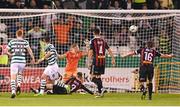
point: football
(133, 28)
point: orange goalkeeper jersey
(72, 61)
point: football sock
(43, 84)
(98, 82)
(19, 79)
(13, 86)
(150, 86)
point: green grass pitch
(110, 99)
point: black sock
(100, 85)
(98, 82)
(150, 86)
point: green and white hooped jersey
(52, 59)
(18, 49)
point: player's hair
(47, 39)
(73, 45)
(79, 74)
(19, 33)
(97, 30)
(150, 44)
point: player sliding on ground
(17, 51)
(72, 58)
(146, 66)
(51, 72)
(58, 87)
(96, 57)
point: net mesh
(68, 27)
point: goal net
(76, 26)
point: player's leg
(19, 78)
(14, 71)
(55, 76)
(96, 73)
(43, 83)
(150, 77)
(142, 80)
(96, 78)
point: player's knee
(13, 76)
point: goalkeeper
(59, 87)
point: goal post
(76, 26)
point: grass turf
(110, 99)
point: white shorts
(17, 68)
(52, 71)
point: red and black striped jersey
(147, 55)
(99, 47)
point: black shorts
(59, 90)
(146, 72)
(97, 70)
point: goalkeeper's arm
(62, 56)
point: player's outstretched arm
(31, 54)
(113, 61)
(62, 56)
(167, 56)
(131, 53)
(45, 57)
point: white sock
(13, 86)
(43, 84)
(19, 79)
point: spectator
(164, 42)
(35, 36)
(104, 4)
(122, 37)
(176, 4)
(145, 32)
(157, 4)
(3, 56)
(90, 30)
(59, 4)
(3, 4)
(128, 5)
(76, 34)
(132, 41)
(71, 4)
(47, 20)
(82, 4)
(62, 30)
(93, 4)
(12, 4)
(32, 4)
(150, 4)
(138, 4)
(3, 34)
(116, 5)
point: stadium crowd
(90, 4)
(66, 29)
